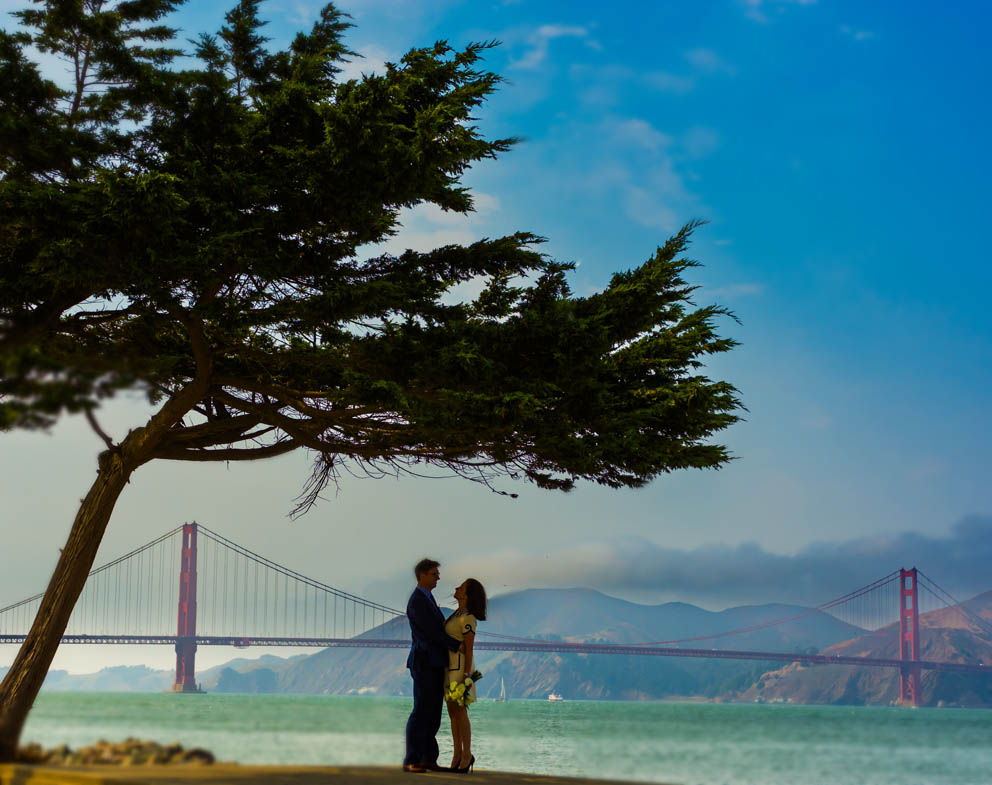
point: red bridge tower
(186, 630)
(909, 639)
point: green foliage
(164, 225)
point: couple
(440, 663)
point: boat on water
(554, 697)
(502, 691)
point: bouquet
(460, 692)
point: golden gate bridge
(227, 595)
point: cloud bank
(722, 575)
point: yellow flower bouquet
(460, 692)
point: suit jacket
(431, 643)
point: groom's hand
(461, 649)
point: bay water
(688, 743)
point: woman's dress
(458, 626)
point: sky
(838, 151)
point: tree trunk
(24, 679)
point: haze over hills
(587, 615)
(115, 678)
(573, 615)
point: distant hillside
(587, 615)
(945, 635)
(119, 678)
(569, 614)
(246, 675)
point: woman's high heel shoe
(467, 769)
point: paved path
(227, 774)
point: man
(427, 661)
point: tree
(202, 234)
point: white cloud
(548, 32)
(485, 204)
(427, 226)
(757, 9)
(372, 59)
(660, 200)
(709, 62)
(626, 161)
(669, 83)
(540, 41)
(602, 83)
(746, 573)
(299, 12)
(641, 134)
(735, 290)
(699, 141)
(409, 9)
(648, 209)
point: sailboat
(502, 691)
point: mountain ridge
(587, 615)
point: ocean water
(688, 743)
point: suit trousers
(425, 719)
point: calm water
(689, 743)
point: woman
(471, 598)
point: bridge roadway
(546, 647)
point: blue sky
(838, 151)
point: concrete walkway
(227, 774)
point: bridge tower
(186, 629)
(909, 638)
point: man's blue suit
(427, 662)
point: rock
(32, 753)
(130, 752)
(198, 756)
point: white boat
(554, 697)
(502, 691)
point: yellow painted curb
(233, 774)
(21, 774)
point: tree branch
(91, 419)
(231, 454)
(225, 431)
(294, 398)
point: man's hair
(424, 566)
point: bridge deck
(547, 647)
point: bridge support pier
(186, 628)
(909, 639)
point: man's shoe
(432, 766)
(414, 768)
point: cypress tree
(201, 232)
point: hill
(573, 615)
(588, 615)
(945, 635)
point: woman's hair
(475, 598)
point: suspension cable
(98, 570)
(290, 573)
(950, 599)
